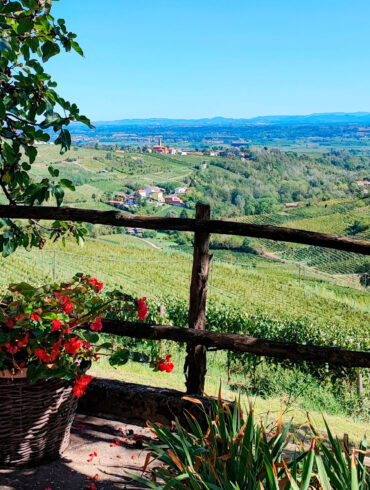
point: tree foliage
(30, 111)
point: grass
(138, 373)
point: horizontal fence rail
(238, 343)
(116, 218)
(197, 338)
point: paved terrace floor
(77, 470)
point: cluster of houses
(364, 184)
(153, 193)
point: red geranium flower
(142, 309)
(12, 349)
(35, 317)
(165, 366)
(42, 355)
(56, 325)
(55, 351)
(169, 367)
(73, 345)
(9, 323)
(24, 341)
(68, 307)
(80, 388)
(97, 285)
(97, 326)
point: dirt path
(147, 241)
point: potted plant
(44, 355)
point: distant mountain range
(330, 118)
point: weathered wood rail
(197, 338)
(117, 218)
(238, 343)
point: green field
(252, 283)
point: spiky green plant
(235, 452)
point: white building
(181, 190)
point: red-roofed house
(174, 200)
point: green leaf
(9, 246)
(59, 194)
(31, 152)
(77, 48)
(323, 477)
(68, 184)
(24, 25)
(11, 7)
(120, 357)
(54, 172)
(49, 49)
(106, 345)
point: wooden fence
(196, 337)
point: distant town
(153, 193)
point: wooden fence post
(196, 359)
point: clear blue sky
(205, 58)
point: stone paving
(118, 449)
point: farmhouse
(174, 200)
(141, 193)
(291, 204)
(181, 190)
(115, 203)
(363, 183)
(155, 193)
(130, 201)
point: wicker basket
(35, 420)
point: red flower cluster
(73, 345)
(80, 386)
(98, 286)
(166, 365)
(42, 355)
(97, 326)
(142, 309)
(45, 357)
(67, 305)
(56, 325)
(35, 316)
(12, 349)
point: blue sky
(205, 58)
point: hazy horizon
(199, 59)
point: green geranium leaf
(120, 357)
